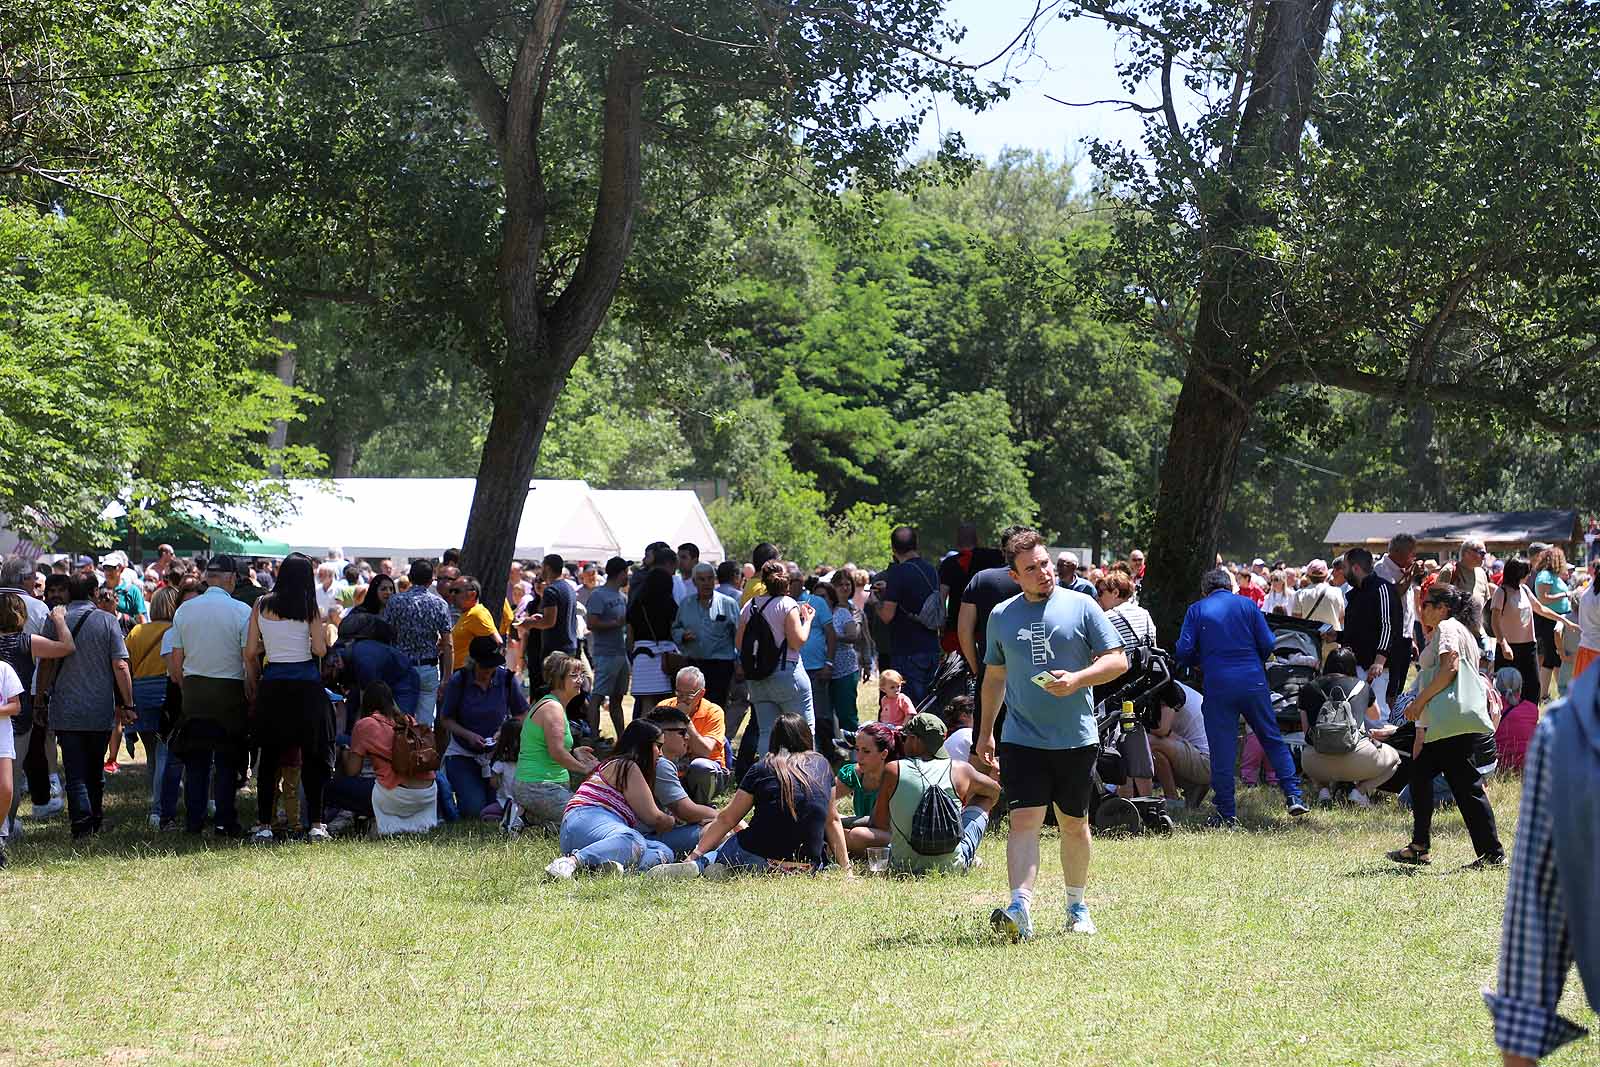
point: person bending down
(877, 744)
(1179, 748)
(788, 796)
(928, 766)
(600, 830)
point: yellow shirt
(144, 649)
(709, 722)
(506, 617)
(753, 588)
(475, 623)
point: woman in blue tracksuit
(1226, 636)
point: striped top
(597, 791)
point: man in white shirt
(1182, 754)
(208, 636)
(1320, 601)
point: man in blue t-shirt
(1046, 649)
(906, 587)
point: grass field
(1282, 945)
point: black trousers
(293, 714)
(1453, 758)
(1524, 657)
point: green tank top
(916, 778)
(533, 761)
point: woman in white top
(1512, 608)
(291, 706)
(1452, 715)
(1280, 595)
(788, 688)
(1589, 621)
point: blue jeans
(428, 684)
(782, 692)
(595, 836)
(1222, 708)
(680, 839)
(733, 855)
(83, 757)
(470, 787)
(197, 790)
(918, 670)
(166, 781)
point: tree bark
(516, 429)
(1196, 477)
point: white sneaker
(1360, 799)
(685, 869)
(318, 833)
(263, 835)
(562, 867)
(155, 821)
(1078, 920)
(1324, 796)
(609, 869)
(55, 807)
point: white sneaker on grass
(684, 869)
(55, 807)
(1079, 921)
(1360, 799)
(318, 833)
(1012, 922)
(609, 869)
(263, 835)
(717, 872)
(562, 867)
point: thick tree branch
(1493, 395)
(461, 56)
(582, 305)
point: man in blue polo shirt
(1046, 649)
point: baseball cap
(222, 563)
(1258, 562)
(617, 565)
(84, 561)
(929, 729)
(1317, 568)
(114, 559)
(485, 652)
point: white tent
(641, 516)
(402, 517)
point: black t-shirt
(955, 572)
(984, 591)
(17, 650)
(651, 608)
(1315, 693)
(773, 832)
(907, 586)
(563, 636)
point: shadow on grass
(978, 936)
(1388, 869)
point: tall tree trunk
(344, 456)
(516, 428)
(1196, 477)
(285, 371)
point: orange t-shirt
(709, 721)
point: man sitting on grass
(703, 765)
(670, 794)
(927, 766)
(1178, 744)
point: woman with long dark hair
(793, 820)
(1514, 609)
(291, 706)
(600, 828)
(1451, 711)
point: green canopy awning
(188, 535)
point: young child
(958, 719)
(503, 776)
(894, 707)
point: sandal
(1411, 855)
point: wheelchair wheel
(1116, 816)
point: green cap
(929, 729)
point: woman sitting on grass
(546, 760)
(877, 745)
(790, 793)
(600, 829)
(399, 805)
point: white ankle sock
(1075, 895)
(1022, 898)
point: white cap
(1068, 557)
(1258, 562)
(114, 559)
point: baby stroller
(1295, 660)
(1150, 675)
(952, 679)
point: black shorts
(1544, 632)
(1038, 777)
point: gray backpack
(931, 614)
(1338, 729)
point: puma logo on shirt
(1038, 642)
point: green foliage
(959, 463)
(124, 385)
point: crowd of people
(360, 694)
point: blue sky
(1074, 61)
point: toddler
(894, 707)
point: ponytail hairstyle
(775, 576)
(792, 761)
(1453, 600)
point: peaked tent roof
(425, 516)
(1495, 527)
(641, 516)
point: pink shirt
(895, 710)
(1511, 737)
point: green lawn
(1282, 945)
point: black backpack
(760, 652)
(936, 822)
